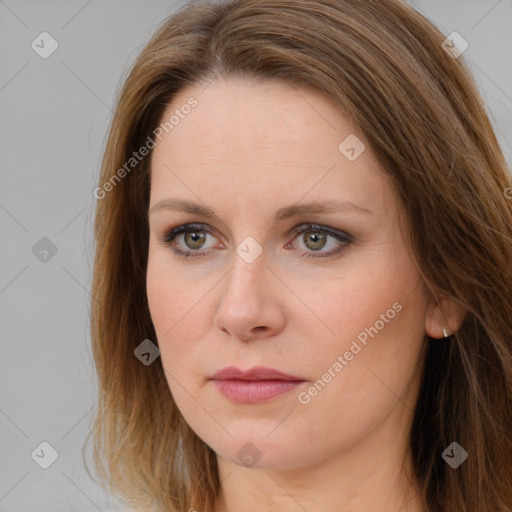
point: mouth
(259, 384)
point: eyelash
(168, 237)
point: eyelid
(301, 228)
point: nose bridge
(247, 273)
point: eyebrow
(332, 206)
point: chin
(254, 448)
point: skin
(247, 149)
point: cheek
(171, 310)
(369, 367)
(374, 320)
(162, 300)
(374, 292)
(166, 305)
(177, 305)
(169, 295)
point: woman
(302, 285)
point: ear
(443, 313)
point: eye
(194, 236)
(314, 238)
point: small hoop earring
(445, 333)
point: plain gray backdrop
(54, 114)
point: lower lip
(254, 391)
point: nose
(251, 305)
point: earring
(445, 333)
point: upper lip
(255, 373)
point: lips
(256, 373)
(258, 384)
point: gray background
(54, 116)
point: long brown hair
(384, 64)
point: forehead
(256, 116)
(264, 138)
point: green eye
(314, 239)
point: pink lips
(258, 384)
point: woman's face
(339, 306)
